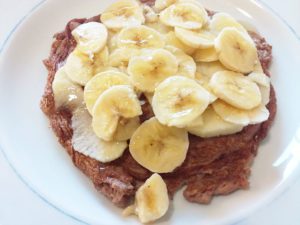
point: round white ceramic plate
(33, 151)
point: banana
(264, 84)
(150, 15)
(240, 116)
(206, 55)
(185, 15)
(196, 122)
(235, 89)
(80, 68)
(121, 56)
(195, 39)
(186, 64)
(159, 148)
(90, 37)
(178, 100)
(151, 68)
(122, 14)
(140, 37)
(86, 142)
(213, 125)
(223, 20)
(160, 5)
(151, 200)
(207, 69)
(66, 93)
(126, 128)
(112, 41)
(236, 50)
(101, 82)
(114, 104)
(159, 27)
(172, 40)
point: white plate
(33, 151)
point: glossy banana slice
(178, 100)
(159, 148)
(151, 200)
(264, 84)
(195, 39)
(101, 82)
(172, 40)
(114, 104)
(66, 93)
(140, 37)
(213, 125)
(121, 56)
(236, 50)
(240, 116)
(123, 13)
(235, 89)
(206, 55)
(223, 20)
(186, 64)
(185, 15)
(151, 68)
(86, 142)
(90, 37)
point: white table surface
(19, 205)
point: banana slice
(121, 56)
(206, 55)
(90, 37)
(236, 51)
(207, 69)
(66, 93)
(80, 68)
(86, 142)
(162, 4)
(122, 14)
(172, 40)
(150, 15)
(151, 68)
(186, 64)
(113, 104)
(235, 89)
(264, 84)
(159, 27)
(151, 200)
(185, 15)
(240, 116)
(213, 125)
(101, 82)
(140, 37)
(159, 148)
(112, 41)
(223, 20)
(178, 100)
(200, 39)
(126, 128)
(196, 122)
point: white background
(19, 205)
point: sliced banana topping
(159, 148)
(178, 100)
(186, 64)
(86, 142)
(66, 93)
(162, 4)
(264, 84)
(172, 40)
(140, 37)
(240, 116)
(207, 69)
(151, 68)
(122, 14)
(150, 15)
(80, 68)
(213, 125)
(223, 20)
(90, 37)
(236, 89)
(126, 128)
(236, 50)
(113, 105)
(195, 39)
(159, 27)
(185, 15)
(121, 56)
(151, 200)
(101, 82)
(206, 55)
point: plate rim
(278, 191)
